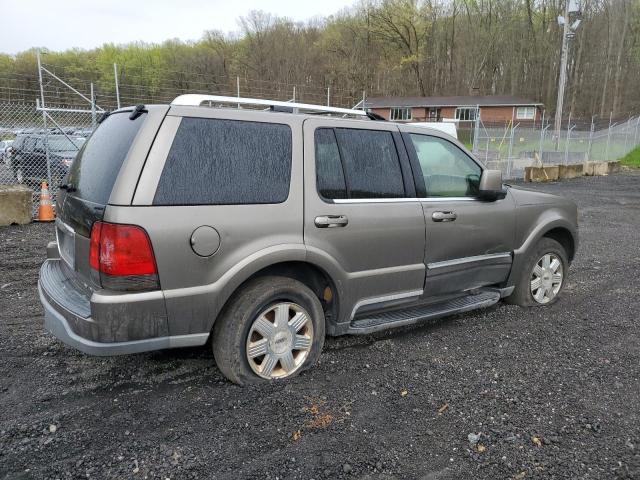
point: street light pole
(563, 74)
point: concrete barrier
(541, 174)
(596, 168)
(571, 171)
(15, 204)
(614, 167)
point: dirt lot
(552, 392)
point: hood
(66, 153)
(529, 197)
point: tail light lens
(122, 258)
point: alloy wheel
(279, 340)
(546, 278)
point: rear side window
(329, 174)
(226, 162)
(371, 164)
(94, 170)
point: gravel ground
(500, 393)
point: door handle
(331, 221)
(444, 216)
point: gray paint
(388, 252)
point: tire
(239, 337)
(523, 294)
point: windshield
(94, 171)
(62, 143)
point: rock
(52, 428)
(473, 438)
(346, 468)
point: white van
(446, 126)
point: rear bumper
(123, 324)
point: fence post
(328, 96)
(115, 76)
(476, 130)
(542, 129)
(588, 155)
(44, 120)
(509, 159)
(606, 155)
(566, 147)
(635, 137)
(238, 88)
(93, 109)
(626, 134)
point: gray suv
(263, 231)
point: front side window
(526, 113)
(401, 113)
(447, 170)
(226, 162)
(466, 113)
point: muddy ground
(552, 392)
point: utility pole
(568, 32)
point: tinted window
(447, 170)
(371, 164)
(95, 168)
(329, 174)
(221, 162)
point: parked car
(27, 157)
(4, 146)
(263, 231)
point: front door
(469, 241)
(361, 217)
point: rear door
(220, 192)
(469, 241)
(361, 215)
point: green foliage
(383, 47)
(632, 159)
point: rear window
(371, 163)
(93, 173)
(226, 162)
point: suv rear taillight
(121, 257)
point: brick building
(492, 108)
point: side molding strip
(461, 261)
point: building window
(433, 115)
(466, 113)
(401, 113)
(526, 113)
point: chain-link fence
(37, 146)
(512, 147)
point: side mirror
(490, 188)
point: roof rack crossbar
(193, 99)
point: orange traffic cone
(45, 210)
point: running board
(409, 316)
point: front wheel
(543, 276)
(272, 328)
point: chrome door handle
(331, 221)
(444, 216)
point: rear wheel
(272, 328)
(543, 276)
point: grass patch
(632, 159)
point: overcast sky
(63, 24)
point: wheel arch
(563, 236)
(556, 227)
(308, 273)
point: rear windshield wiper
(137, 111)
(68, 187)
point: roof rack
(193, 99)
